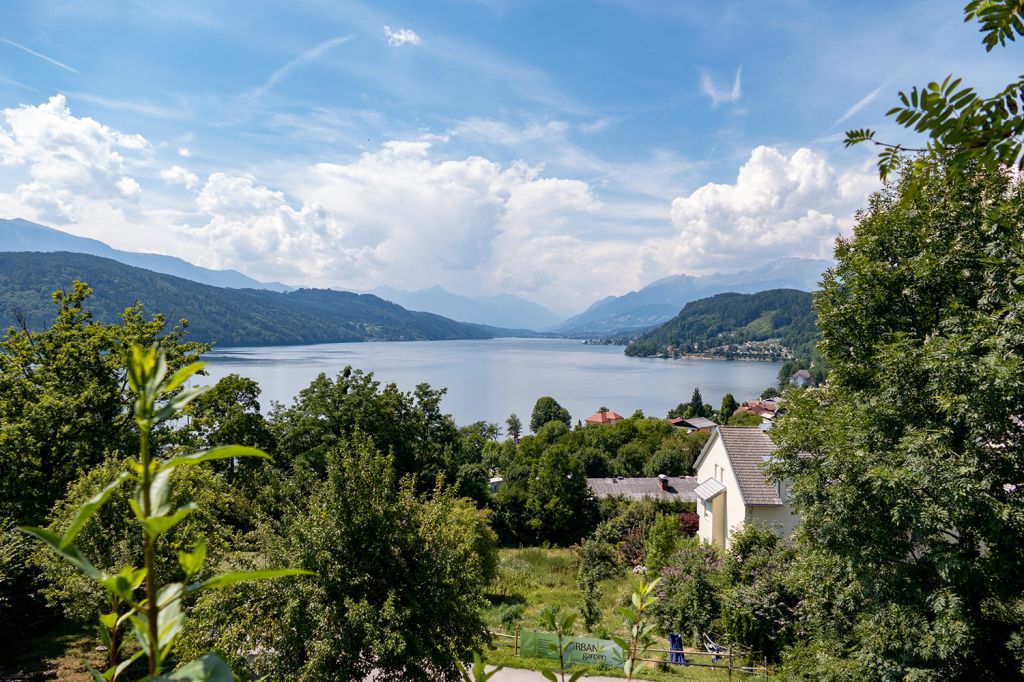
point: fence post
(516, 649)
(730, 661)
(765, 663)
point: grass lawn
(533, 578)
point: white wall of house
(716, 465)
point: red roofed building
(604, 417)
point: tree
(729, 405)
(515, 427)
(964, 129)
(912, 519)
(696, 404)
(546, 410)
(227, 413)
(410, 425)
(770, 393)
(400, 586)
(64, 399)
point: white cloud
(184, 152)
(67, 160)
(176, 175)
(128, 188)
(403, 36)
(779, 205)
(718, 93)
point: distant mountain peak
(18, 234)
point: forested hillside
(721, 324)
(229, 317)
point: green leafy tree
(912, 519)
(729, 405)
(515, 427)
(64, 399)
(547, 410)
(328, 412)
(662, 541)
(400, 587)
(154, 612)
(963, 128)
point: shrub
(690, 591)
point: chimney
(663, 481)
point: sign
(578, 650)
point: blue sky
(558, 150)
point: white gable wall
(716, 465)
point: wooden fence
(731, 666)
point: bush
(691, 590)
(662, 541)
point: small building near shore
(663, 488)
(604, 417)
(692, 424)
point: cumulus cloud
(184, 152)
(721, 93)
(779, 205)
(403, 36)
(67, 159)
(177, 175)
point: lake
(488, 380)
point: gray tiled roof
(700, 422)
(747, 448)
(679, 488)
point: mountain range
(662, 300)
(228, 317)
(22, 235)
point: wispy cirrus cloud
(306, 57)
(403, 36)
(39, 55)
(860, 104)
(722, 94)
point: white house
(733, 488)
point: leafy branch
(961, 126)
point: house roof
(709, 489)
(679, 488)
(802, 373)
(604, 417)
(700, 422)
(747, 448)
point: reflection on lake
(488, 380)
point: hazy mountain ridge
(23, 235)
(661, 300)
(229, 317)
(503, 310)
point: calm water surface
(488, 380)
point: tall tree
(515, 427)
(696, 404)
(545, 410)
(64, 402)
(911, 504)
(729, 405)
